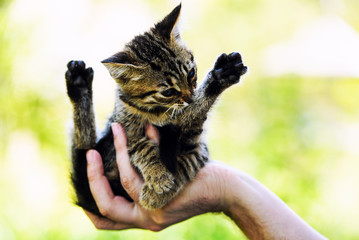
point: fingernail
(148, 126)
(90, 156)
(115, 129)
(152, 133)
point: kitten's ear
(122, 67)
(168, 27)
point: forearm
(259, 213)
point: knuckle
(99, 226)
(126, 183)
(91, 176)
(158, 219)
(105, 210)
(131, 185)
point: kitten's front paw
(159, 180)
(229, 67)
(78, 80)
(226, 72)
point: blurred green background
(292, 123)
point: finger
(113, 207)
(130, 179)
(99, 185)
(106, 224)
(152, 133)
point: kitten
(156, 83)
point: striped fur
(156, 75)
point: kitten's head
(155, 71)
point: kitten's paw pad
(78, 79)
(151, 200)
(160, 182)
(228, 68)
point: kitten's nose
(187, 97)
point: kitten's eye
(169, 92)
(190, 75)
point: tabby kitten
(156, 79)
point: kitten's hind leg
(151, 200)
(79, 89)
(189, 162)
(154, 172)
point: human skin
(257, 211)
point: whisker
(176, 109)
(173, 106)
(173, 111)
(167, 110)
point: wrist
(220, 179)
(236, 190)
(229, 183)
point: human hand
(201, 195)
(254, 208)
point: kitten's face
(155, 71)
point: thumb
(130, 179)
